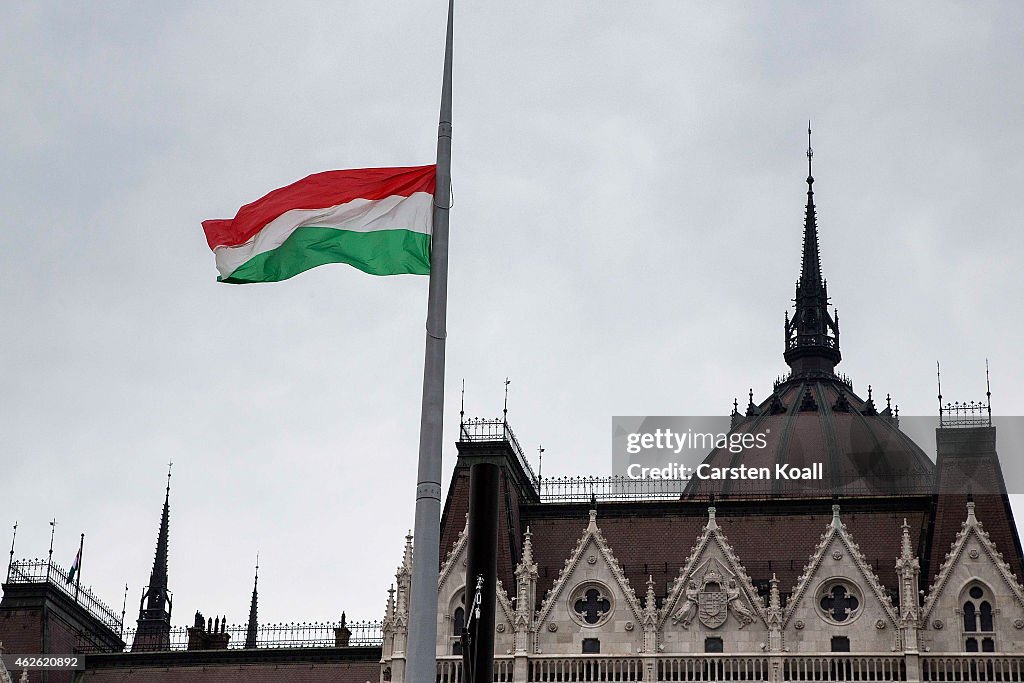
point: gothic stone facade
(837, 604)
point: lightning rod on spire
(810, 153)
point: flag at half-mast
(76, 566)
(375, 219)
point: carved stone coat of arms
(713, 606)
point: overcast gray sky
(629, 191)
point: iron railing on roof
(268, 636)
(965, 414)
(813, 374)
(483, 429)
(49, 572)
(619, 488)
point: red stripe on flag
(316, 191)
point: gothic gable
(712, 598)
(451, 597)
(591, 599)
(456, 556)
(974, 595)
(839, 595)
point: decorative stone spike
(807, 403)
(842, 405)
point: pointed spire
(869, 405)
(906, 551)
(650, 602)
(751, 408)
(812, 335)
(407, 556)
(155, 608)
(774, 597)
(527, 548)
(810, 266)
(389, 606)
(157, 591)
(250, 631)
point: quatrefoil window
(839, 603)
(591, 605)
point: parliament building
(893, 565)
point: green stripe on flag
(381, 252)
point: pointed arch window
(458, 622)
(978, 619)
(970, 617)
(985, 616)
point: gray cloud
(628, 204)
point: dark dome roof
(820, 420)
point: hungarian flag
(376, 219)
(75, 566)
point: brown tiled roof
(655, 539)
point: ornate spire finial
(906, 549)
(527, 548)
(774, 597)
(651, 601)
(835, 516)
(407, 555)
(389, 606)
(810, 155)
(712, 524)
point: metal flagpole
(10, 562)
(481, 568)
(49, 561)
(78, 574)
(421, 655)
